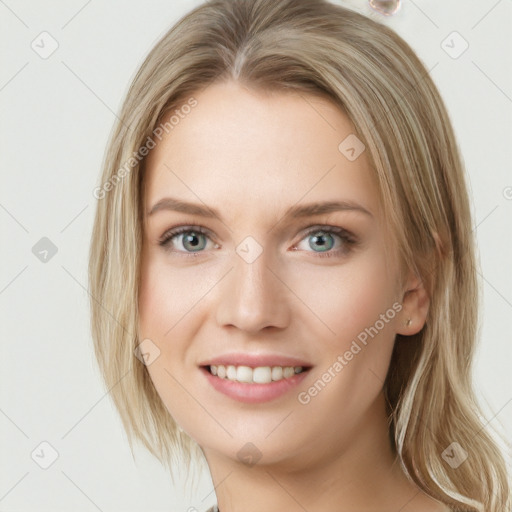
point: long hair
(365, 68)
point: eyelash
(348, 239)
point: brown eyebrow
(295, 211)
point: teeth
(259, 375)
(277, 373)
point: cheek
(157, 306)
(172, 307)
(167, 296)
(355, 338)
(161, 310)
(345, 300)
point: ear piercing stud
(409, 322)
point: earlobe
(415, 305)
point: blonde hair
(315, 47)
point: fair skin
(251, 155)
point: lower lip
(254, 393)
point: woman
(282, 267)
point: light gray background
(56, 115)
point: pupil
(317, 239)
(192, 240)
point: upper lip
(254, 360)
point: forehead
(258, 152)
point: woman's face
(269, 281)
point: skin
(252, 154)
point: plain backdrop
(56, 112)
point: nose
(253, 296)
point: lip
(254, 393)
(255, 360)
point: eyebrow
(294, 212)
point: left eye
(319, 239)
(324, 239)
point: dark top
(215, 509)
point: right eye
(192, 238)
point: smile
(254, 385)
(258, 375)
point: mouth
(255, 375)
(256, 383)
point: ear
(415, 304)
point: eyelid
(329, 228)
(181, 229)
